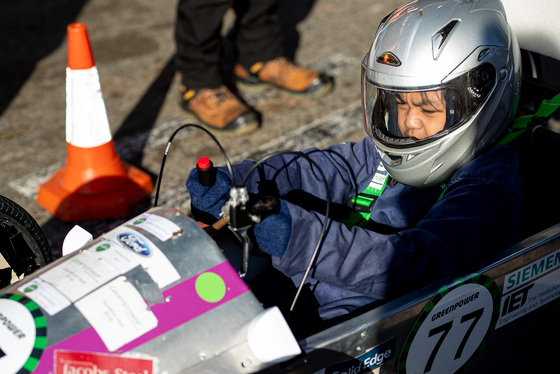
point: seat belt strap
(362, 203)
(521, 124)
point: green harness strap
(521, 124)
(362, 204)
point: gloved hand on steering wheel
(273, 232)
(208, 200)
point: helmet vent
(439, 39)
(435, 167)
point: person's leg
(258, 32)
(198, 42)
(261, 64)
(204, 94)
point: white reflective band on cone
(87, 124)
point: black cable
(255, 165)
(167, 148)
(324, 228)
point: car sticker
(530, 287)
(117, 312)
(45, 295)
(96, 363)
(23, 334)
(161, 227)
(370, 362)
(148, 255)
(453, 327)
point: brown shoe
(281, 73)
(220, 110)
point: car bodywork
(158, 295)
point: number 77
(445, 328)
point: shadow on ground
(29, 31)
(45, 29)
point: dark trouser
(258, 37)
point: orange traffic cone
(94, 183)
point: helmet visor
(403, 117)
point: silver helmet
(440, 85)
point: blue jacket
(414, 237)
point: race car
(158, 294)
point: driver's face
(421, 114)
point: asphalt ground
(133, 48)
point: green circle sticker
(210, 287)
(140, 220)
(23, 334)
(453, 327)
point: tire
(23, 244)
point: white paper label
(118, 313)
(45, 295)
(79, 275)
(150, 257)
(114, 255)
(159, 226)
